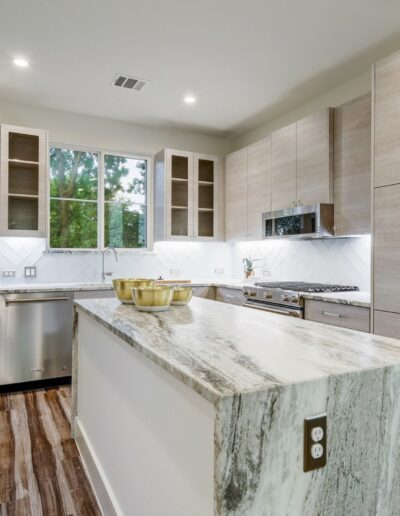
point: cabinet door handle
(330, 314)
(10, 301)
(38, 370)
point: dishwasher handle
(10, 301)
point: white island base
(145, 438)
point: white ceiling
(247, 60)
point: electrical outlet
(219, 270)
(315, 442)
(8, 274)
(30, 272)
(266, 273)
(175, 272)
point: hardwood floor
(41, 473)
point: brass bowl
(123, 287)
(182, 295)
(152, 299)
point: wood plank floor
(41, 473)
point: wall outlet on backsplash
(266, 273)
(30, 272)
(8, 274)
(175, 272)
(219, 270)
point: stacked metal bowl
(149, 297)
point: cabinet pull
(35, 300)
(330, 314)
(38, 370)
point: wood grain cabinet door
(352, 167)
(258, 186)
(283, 168)
(236, 195)
(315, 158)
(387, 324)
(387, 121)
(387, 249)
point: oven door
(275, 308)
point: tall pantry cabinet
(386, 197)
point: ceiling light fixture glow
(21, 62)
(189, 99)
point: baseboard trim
(95, 473)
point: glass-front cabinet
(23, 181)
(186, 196)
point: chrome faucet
(104, 274)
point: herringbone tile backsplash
(345, 261)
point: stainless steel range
(286, 297)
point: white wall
(332, 98)
(103, 133)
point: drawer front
(204, 292)
(387, 324)
(93, 294)
(346, 316)
(233, 296)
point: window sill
(98, 252)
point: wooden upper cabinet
(283, 168)
(387, 121)
(236, 195)
(315, 159)
(24, 163)
(258, 186)
(352, 167)
(387, 249)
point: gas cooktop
(298, 286)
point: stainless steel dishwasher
(36, 336)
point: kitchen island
(200, 410)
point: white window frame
(100, 200)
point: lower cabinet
(93, 294)
(233, 296)
(204, 292)
(346, 316)
(387, 324)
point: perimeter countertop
(359, 298)
(219, 349)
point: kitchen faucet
(104, 274)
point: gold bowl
(152, 299)
(123, 287)
(182, 295)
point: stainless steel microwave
(301, 222)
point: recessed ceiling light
(189, 99)
(21, 62)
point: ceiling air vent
(130, 83)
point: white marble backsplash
(343, 261)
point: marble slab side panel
(74, 377)
(259, 449)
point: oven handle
(292, 313)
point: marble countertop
(220, 350)
(358, 298)
(23, 288)
(361, 298)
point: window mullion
(100, 210)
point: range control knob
(252, 293)
(285, 298)
(294, 299)
(267, 295)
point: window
(84, 216)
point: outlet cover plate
(309, 463)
